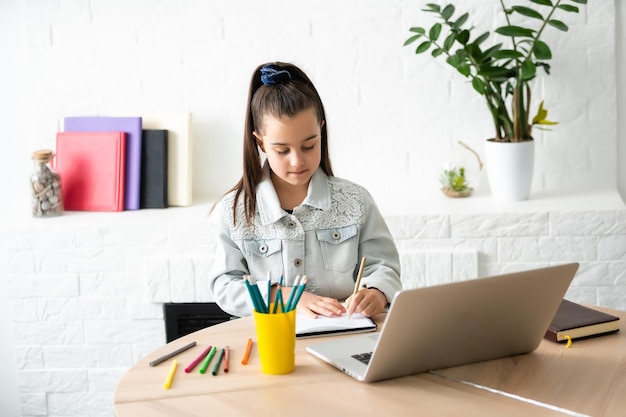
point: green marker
(206, 362)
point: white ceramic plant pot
(510, 169)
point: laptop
(454, 324)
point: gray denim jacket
(324, 238)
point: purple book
(132, 127)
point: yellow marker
(569, 341)
(170, 376)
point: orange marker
(247, 354)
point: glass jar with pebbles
(47, 199)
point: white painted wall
(386, 107)
(10, 111)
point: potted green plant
(502, 73)
(453, 182)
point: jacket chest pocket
(263, 256)
(340, 247)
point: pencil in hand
(357, 284)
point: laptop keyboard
(363, 357)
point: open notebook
(323, 326)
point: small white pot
(510, 169)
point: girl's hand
(367, 301)
(313, 305)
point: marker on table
(170, 375)
(246, 355)
(197, 360)
(207, 361)
(218, 362)
(226, 357)
(358, 282)
(171, 354)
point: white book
(180, 147)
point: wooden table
(588, 378)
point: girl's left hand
(367, 301)
(313, 305)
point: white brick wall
(81, 287)
(81, 319)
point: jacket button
(336, 235)
(263, 248)
(291, 225)
(297, 263)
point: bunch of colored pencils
(261, 306)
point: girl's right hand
(314, 305)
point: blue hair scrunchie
(273, 74)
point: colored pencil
(218, 362)
(257, 301)
(170, 375)
(246, 355)
(256, 293)
(206, 362)
(296, 298)
(293, 292)
(269, 288)
(359, 276)
(171, 354)
(196, 361)
(226, 358)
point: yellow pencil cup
(276, 341)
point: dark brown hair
(285, 98)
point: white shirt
(324, 238)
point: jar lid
(42, 155)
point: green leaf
(478, 85)
(579, 1)
(568, 8)
(454, 60)
(508, 54)
(418, 30)
(543, 2)
(449, 42)
(461, 20)
(488, 54)
(529, 70)
(411, 39)
(495, 73)
(464, 69)
(545, 66)
(447, 12)
(437, 51)
(527, 11)
(463, 37)
(515, 31)
(434, 32)
(423, 47)
(481, 38)
(431, 7)
(558, 24)
(542, 50)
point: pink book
(92, 167)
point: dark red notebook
(577, 322)
(92, 167)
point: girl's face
(292, 146)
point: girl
(290, 216)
